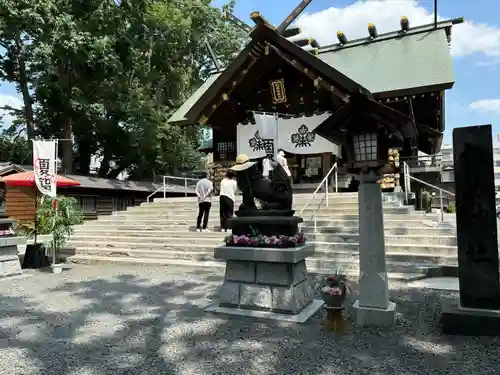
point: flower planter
(333, 300)
(278, 241)
(56, 268)
(268, 246)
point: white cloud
(12, 101)
(467, 38)
(486, 105)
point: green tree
(14, 144)
(108, 74)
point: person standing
(228, 189)
(204, 189)
(280, 158)
(266, 167)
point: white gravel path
(145, 320)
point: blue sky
(474, 100)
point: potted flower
(56, 225)
(333, 290)
(257, 239)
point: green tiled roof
(178, 116)
(387, 66)
(393, 65)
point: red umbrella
(28, 179)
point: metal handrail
(324, 182)
(164, 185)
(315, 213)
(432, 186)
(153, 193)
(186, 179)
(407, 180)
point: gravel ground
(138, 320)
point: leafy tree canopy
(107, 74)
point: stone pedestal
(9, 258)
(266, 282)
(373, 306)
(478, 310)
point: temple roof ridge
(446, 24)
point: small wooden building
(96, 196)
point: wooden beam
(331, 128)
(260, 20)
(389, 116)
(292, 16)
(314, 77)
(225, 95)
(235, 20)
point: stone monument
(373, 306)
(9, 255)
(266, 274)
(477, 312)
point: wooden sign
(278, 93)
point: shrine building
(390, 85)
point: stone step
(296, 196)
(196, 237)
(158, 219)
(185, 230)
(194, 206)
(185, 244)
(306, 213)
(213, 224)
(316, 262)
(92, 259)
(392, 228)
(323, 256)
(345, 265)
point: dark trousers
(226, 206)
(203, 211)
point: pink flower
(336, 291)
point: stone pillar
(373, 306)
(477, 312)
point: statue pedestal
(266, 283)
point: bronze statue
(275, 194)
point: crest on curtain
(303, 137)
(257, 143)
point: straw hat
(242, 163)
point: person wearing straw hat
(274, 194)
(242, 163)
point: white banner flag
(44, 162)
(296, 136)
(257, 140)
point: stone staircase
(163, 232)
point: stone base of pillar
(458, 320)
(9, 258)
(267, 283)
(373, 316)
